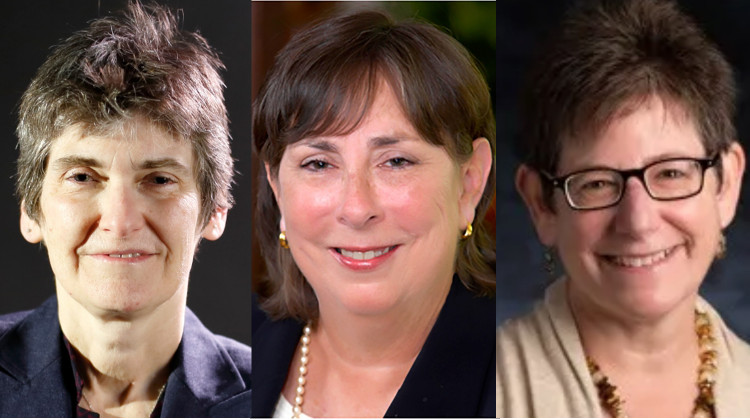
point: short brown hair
(608, 56)
(137, 63)
(323, 82)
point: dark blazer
(453, 375)
(210, 378)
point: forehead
(384, 120)
(138, 137)
(639, 132)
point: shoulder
(274, 344)
(204, 343)
(241, 354)
(732, 384)
(8, 321)
(541, 366)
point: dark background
(219, 291)
(522, 28)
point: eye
(316, 165)
(80, 177)
(398, 162)
(159, 179)
(597, 184)
(671, 173)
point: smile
(363, 259)
(132, 255)
(367, 255)
(641, 260)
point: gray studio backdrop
(219, 291)
(522, 27)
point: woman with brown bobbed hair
(377, 141)
(632, 171)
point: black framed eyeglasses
(664, 180)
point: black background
(219, 291)
(522, 27)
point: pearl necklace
(304, 350)
(704, 402)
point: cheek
(67, 222)
(423, 204)
(580, 232)
(306, 207)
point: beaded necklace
(303, 359)
(704, 402)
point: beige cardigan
(541, 367)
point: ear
(529, 185)
(733, 166)
(215, 227)
(274, 183)
(474, 173)
(30, 229)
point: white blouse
(285, 410)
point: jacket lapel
(205, 381)
(453, 375)
(35, 367)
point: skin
(380, 187)
(638, 322)
(120, 221)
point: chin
(367, 302)
(655, 304)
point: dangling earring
(469, 230)
(282, 240)
(549, 263)
(722, 251)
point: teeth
(133, 255)
(641, 261)
(364, 255)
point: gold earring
(722, 251)
(469, 230)
(282, 240)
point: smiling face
(120, 217)
(641, 258)
(372, 217)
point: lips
(639, 261)
(366, 255)
(130, 255)
(120, 255)
(363, 259)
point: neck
(635, 344)
(391, 338)
(125, 357)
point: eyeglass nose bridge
(639, 174)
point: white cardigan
(542, 372)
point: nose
(637, 213)
(120, 210)
(359, 202)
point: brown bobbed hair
(135, 64)
(608, 57)
(323, 82)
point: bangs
(333, 105)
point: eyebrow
(66, 162)
(327, 146)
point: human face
(120, 217)
(372, 217)
(641, 258)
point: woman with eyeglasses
(632, 171)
